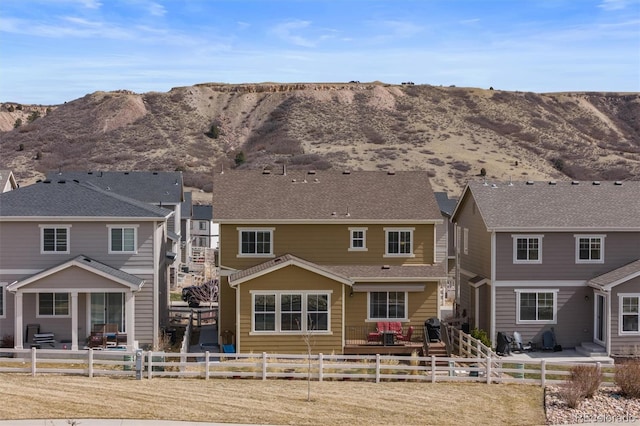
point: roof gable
(127, 280)
(617, 276)
(561, 206)
(324, 196)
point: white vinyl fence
(206, 365)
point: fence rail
(265, 366)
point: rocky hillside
(455, 133)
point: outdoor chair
(406, 337)
(517, 345)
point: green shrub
(482, 336)
(33, 116)
(213, 132)
(18, 123)
(587, 378)
(240, 158)
(626, 378)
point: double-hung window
(589, 248)
(536, 306)
(629, 321)
(357, 239)
(286, 312)
(122, 239)
(53, 304)
(203, 225)
(527, 248)
(54, 239)
(387, 305)
(399, 242)
(255, 242)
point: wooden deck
(405, 348)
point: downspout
(238, 294)
(608, 320)
(493, 287)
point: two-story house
(320, 253)
(564, 255)
(204, 231)
(73, 255)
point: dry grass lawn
(269, 402)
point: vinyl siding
(478, 259)
(328, 244)
(226, 307)
(623, 344)
(290, 278)
(558, 256)
(574, 316)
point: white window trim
(601, 237)
(3, 291)
(537, 290)
(386, 242)
(54, 226)
(516, 237)
(202, 225)
(38, 315)
(620, 313)
(406, 307)
(278, 313)
(364, 239)
(241, 230)
(465, 246)
(135, 238)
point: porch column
(18, 337)
(74, 320)
(129, 318)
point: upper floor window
(55, 238)
(2, 300)
(291, 312)
(357, 239)
(465, 243)
(629, 313)
(256, 242)
(122, 239)
(203, 225)
(386, 305)
(589, 248)
(527, 248)
(53, 304)
(536, 306)
(399, 241)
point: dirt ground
(269, 402)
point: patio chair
(548, 340)
(406, 337)
(517, 345)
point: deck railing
(359, 334)
(206, 365)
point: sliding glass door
(108, 308)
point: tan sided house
(326, 254)
(564, 256)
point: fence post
(377, 368)
(149, 362)
(207, 360)
(488, 373)
(33, 361)
(264, 366)
(90, 362)
(320, 367)
(543, 373)
(433, 368)
(460, 342)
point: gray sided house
(535, 256)
(73, 255)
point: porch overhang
(128, 281)
(606, 282)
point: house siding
(574, 316)
(558, 256)
(623, 344)
(290, 278)
(226, 307)
(478, 259)
(328, 244)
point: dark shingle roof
(186, 207)
(325, 196)
(150, 187)
(558, 205)
(627, 271)
(202, 212)
(447, 205)
(73, 199)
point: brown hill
(456, 133)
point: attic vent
(596, 182)
(493, 185)
(46, 181)
(617, 183)
(552, 182)
(575, 182)
(62, 181)
(76, 181)
(126, 173)
(155, 173)
(86, 259)
(293, 180)
(277, 259)
(346, 172)
(334, 214)
(391, 172)
(386, 267)
(529, 182)
(39, 180)
(316, 180)
(311, 172)
(89, 173)
(266, 172)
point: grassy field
(269, 402)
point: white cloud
(614, 4)
(287, 32)
(157, 9)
